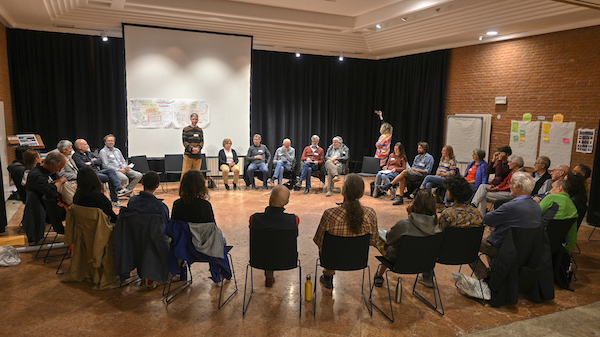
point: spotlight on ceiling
(491, 33)
(103, 36)
(404, 19)
(341, 58)
(480, 38)
(378, 26)
(297, 52)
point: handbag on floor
(9, 256)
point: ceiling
(322, 27)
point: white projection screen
(164, 63)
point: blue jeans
(432, 181)
(307, 172)
(258, 166)
(385, 177)
(279, 169)
(114, 183)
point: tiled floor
(36, 303)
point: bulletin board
(556, 142)
(464, 134)
(524, 140)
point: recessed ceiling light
(103, 36)
(378, 26)
(404, 19)
(297, 52)
(341, 58)
(480, 38)
(492, 33)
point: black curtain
(298, 97)
(593, 214)
(67, 86)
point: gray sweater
(286, 156)
(343, 156)
(258, 150)
(416, 225)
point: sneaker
(378, 281)
(336, 179)
(253, 187)
(393, 193)
(124, 192)
(227, 187)
(329, 193)
(307, 190)
(265, 187)
(269, 282)
(411, 196)
(117, 204)
(235, 187)
(299, 184)
(400, 201)
(270, 181)
(424, 281)
(376, 192)
(327, 281)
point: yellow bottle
(308, 291)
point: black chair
(416, 256)
(140, 163)
(344, 254)
(273, 250)
(370, 167)
(461, 246)
(557, 231)
(595, 225)
(173, 165)
(56, 225)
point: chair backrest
(370, 165)
(345, 253)
(557, 231)
(460, 245)
(418, 254)
(273, 249)
(52, 213)
(203, 164)
(173, 163)
(141, 163)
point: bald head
(560, 172)
(280, 196)
(81, 145)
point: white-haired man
(336, 162)
(313, 157)
(283, 159)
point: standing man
(274, 218)
(336, 162)
(421, 167)
(83, 157)
(113, 158)
(312, 157)
(193, 141)
(258, 157)
(284, 159)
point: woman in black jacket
(228, 161)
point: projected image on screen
(169, 72)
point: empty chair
(140, 163)
(417, 255)
(344, 254)
(370, 167)
(173, 165)
(273, 250)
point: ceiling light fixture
(480, 38)
(378, 26)
(491, 33)
(341, 58)
(404, 19)
(103, 36)
(297, 52)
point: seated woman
(31, 158)
(476, 173)
(90, 193)
(422, 221)
(396, 164)
(228, 161)
(349, 220)
(193, 207)
(446, 168)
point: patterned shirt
(460, 215)
(334, 221)
(192, 137)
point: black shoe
(265, 187)
(227, 187)
(235, 187)
(378, 281)
(400, 201)
(307, 190)
(253, 186)
(327, 281)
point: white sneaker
(117, 204)
(336, 179)
(124, 192)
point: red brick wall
(5, 95)
(542, 75)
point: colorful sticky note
(566, 140)
(522, 132)
(515, 137)
(558, 118)
(546, 129)
(546, 139)
(526, 117)
(522, 139)
(515, 127)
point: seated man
(313, 157)
(559, 173)
(421, 167)
(113, 158)
(284, 159)
(16, 171)
(498, 165)
(521, 212)
(258, 156)
(486, 192)
(84, 158)
(70, 171)
(543, 180)
(336, 162)
(557, 205)
(274, 218)
(146, 202)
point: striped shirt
(335, 221)
(192, 137)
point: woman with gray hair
(476, 173)
(486, 192)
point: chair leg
(578, 249)
(592, 233)
(436, 295)
(315, 289)
(245, 304)
(299, 289)
(47, 232)
(223, 282)
(168, 294)
(362, 290)
(373, 305)
(62, 260)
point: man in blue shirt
(421, 167)
(146, 202)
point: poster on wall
(159, 113)
(585, 140)
(557, 142)
(524, 138)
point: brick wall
(542, 75)
(5, 95)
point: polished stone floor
(36, 303)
